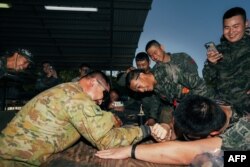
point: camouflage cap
(26, 53)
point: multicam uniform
(54, 120)
(177, 78)
(230, 77)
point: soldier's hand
(161, 132)
(213, 56)
(130, 69)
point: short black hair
(102, 77)
(142, 56)
(198, 116)
(152, 43)
(235, 11)
(84, 65)
(98, 74)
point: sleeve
(189, 78)
(151, 106)
(237, 137)
(122, 80)
(98, 127)
(209, 73)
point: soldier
(56, 118)
(150, 103)
(83, 70)
(169, 82)
(176, 74)
(236, 137)
(17, 60)
(229, 75)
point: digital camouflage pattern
(54, 120)
(237, 137)
(230, 77)
(177, 75)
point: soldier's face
(22, 63)
(144, 64)
(234, 28)
(101, 92)
(83, 71)
(46, 67)
(143, 83)
(114, 96)
(156, 53)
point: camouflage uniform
(149, 101)
(237, 137)
(230, 77)
(173, 77)
(54, 120)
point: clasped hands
(161, 132)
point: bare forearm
(176, 152)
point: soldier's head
(96, 84)
(114, 95)
(139, 81)
(19, 59)
(142, 61)
(155, 51)
(234, 24)
(198, 117)
(84, 69)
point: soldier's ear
(214, 133)
(92, 82)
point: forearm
(123, 136)
(176, 152)
(209, 73)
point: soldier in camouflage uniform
(176, 74)
(236, 137)
(16, 60)
(150, 102)
(170, 81)
(229, 76)
(56, 118)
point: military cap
(25, 53)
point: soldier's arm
(122, 80)
(98, 127)
(151, 104)
(171, 152)
(209, 73)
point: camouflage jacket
(55, 119)
(173, 77)
(230, 77)
(237, 137)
